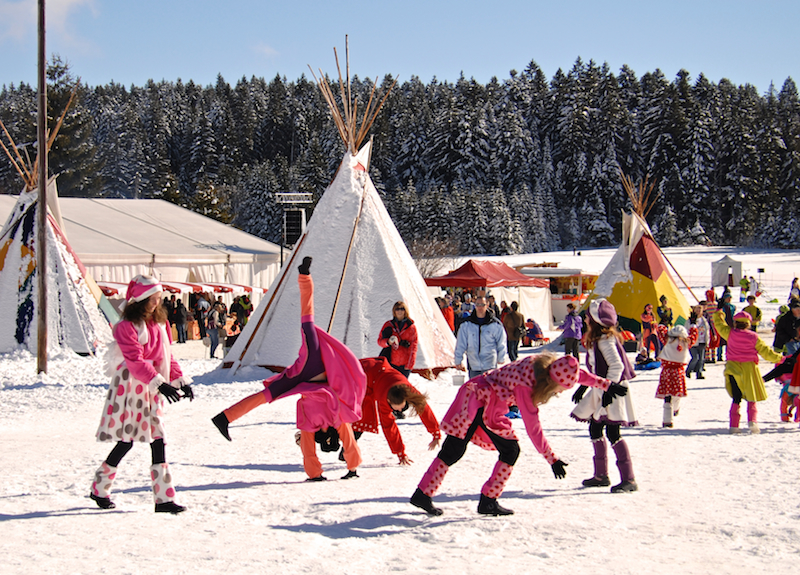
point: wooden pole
(41, 236)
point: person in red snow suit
(388, 390)
(399, 338)
(674, 356)
(141, 363)
(478, 414)
(331, 384)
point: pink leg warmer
(752, 411)
(432, 480)
(493, 488)
(735, 415)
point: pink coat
(742, 345)
(495, 392)
(338, 401)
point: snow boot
(221, 421)
(625, 465)
(600, 478)
(490, 506)
(734, 418)
(316, 479)
(667, 420)
(752, 417)
(163, 492)
(424, 502)
(101, 486)
(351, 474)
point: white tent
(119, 239)
(74, 320)
(534, 303)
(726, 272)
(350, 219)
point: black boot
(350, 474)
(303, 268)
(627, 486)
(221, 421)
(489, 506)
(603, 481)
(169, 507)
(424, 502)
(102, 502)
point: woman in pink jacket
(478, 415)
(331, 383)
(142, 364)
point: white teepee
(74, 320)
(350, 218)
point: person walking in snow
(573, 331)
(483, 338)
(674, 355)
(144, 374)
(742, 377)
(478, 415)
(331, 384)
(389, 392)
(606, 358)
(514, 324)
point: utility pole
(41, 235)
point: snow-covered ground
(709, 502)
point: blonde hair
(544, 388)
(401, 305)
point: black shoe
(102, 502)
(700, 376)
(351, 474)
(419, 499)
(316, 479)
(489, 506)
(221, 421)
(169, 507)
(304, 268)
(602, 481)
(625, 487)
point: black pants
(122, 448)
(454, 448)
(612, 431)
(571, 347)
(736, 393)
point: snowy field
(708, 502)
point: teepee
(361, 267)
(74, 302)
(638, 272)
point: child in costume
(674, 356)
(389, 391)
(478, 415)
(743, 378)
(331, 383)
(606, 358)
(141, 364)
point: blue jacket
(484, 343)
(573, 325)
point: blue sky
(130, 42)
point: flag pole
(41, 236)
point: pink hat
(141, 288)
(743, 316)
(603, 312)
(566, 372)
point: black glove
(578, 395)
(404, 343)
(558, 469)
(386, 333)
(187, 392)
(303, 268)
(169, 392)
(613, 391)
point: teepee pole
(697, 299)
(41, 236)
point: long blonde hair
(544, 387)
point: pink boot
(752, 417)
(734, 415)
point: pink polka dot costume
(478, 415)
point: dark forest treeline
(519, 165)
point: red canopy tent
(484, 273)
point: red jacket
(380, 377)
(407, 331)
(449, 317)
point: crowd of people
(340, 397)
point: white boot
(163, 492)
(667, 415)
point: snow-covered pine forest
(516, 165)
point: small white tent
(379, 272)
(726, 272)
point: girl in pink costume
(331, 383)
(142, 364)
(674, 357)
(743, 378)
(478, 415)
